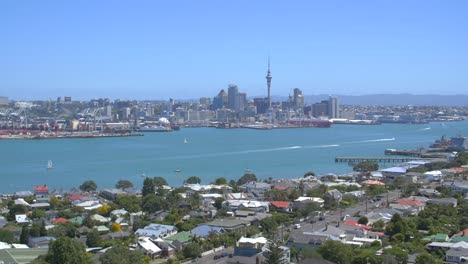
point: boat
(310, 122)
(247, 170)
(185, 141)
(154, 128)
(50, 165)
(177, 170)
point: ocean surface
(209, 153)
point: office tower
(242, 101)
(220, 100)
(333, 107)
(268, 78)
(233, 97)
(298, 99)
(321, 109)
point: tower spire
(268, 78)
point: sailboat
(185, 141)
(50, 165)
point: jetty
(374, 159)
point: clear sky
(188, 49)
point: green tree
(363, 220)
(218, 203)
(366, 166)
(122, 255)
(24, 236)
(275, 253)
(148, 187)
(220, 181)
(131, 203)
(193, 180)
(43, 230)
(38, 213)
(6, 236)
(395, 255)
(88, 186)
(16, 209)
(309, 173)
(65, 250)
(152, 203)
(35, 230)
(248, 177)
(93, 239)
(123, 184)
(426, 258)
(159, 181)
(336, 251)
(192, 250)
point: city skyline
(189, 50)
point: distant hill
(390, 99)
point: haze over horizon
(189, 49)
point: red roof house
(60, 220)
(41, 189)
(282, 206)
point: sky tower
(268, 78)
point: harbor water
(208, 153)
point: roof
(228, 223)
(75, 197)
(183, 236)
(259, 240)
(41, 189)
(461, 244)
(60, 220)
(410, 202)
(279, 204)
(148, 245)
(204, 230)
(354, 223)
(155, 230)
(395, 169)
(371, 182)
(21, 256)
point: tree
(220, 181)
(152, 203)
(6, 236)
(24, 236)
(192, 250)
(336, 251)
(309, 173)
(88, 186)
(395, 255)
(122, 255)
(93, 239)
(43, 230)
(35, 230)
(193, 180)
(131, 203)
(218, 203)
(123, 184)
(275, 253)
(38, 213)
(16, 209)
(159, 181)
(363, 220)
(366, 166)
(426, 258)
(66, 250)
(115, 227)
(148, 187)
(248, 177)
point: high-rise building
(268, 78)
(298, 99)
(333, 107)
(220, 100)
(242, 101)
(320, 109)
(233, 97)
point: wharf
(66, 136)
(375, 159)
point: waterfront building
(261, 105)
(220, 101)
(320, 109)
(298, 99)
(333, 107)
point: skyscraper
(268, 78)
(298, 99)
(333, 107)
(233, 97)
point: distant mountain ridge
(389, 99)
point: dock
(374, 159)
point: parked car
(297, 226)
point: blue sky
(189, 49)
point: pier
(374, 159)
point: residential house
(333, 195)
(392, 173)
(419, 206)
(258, 206)
(41, 193)
(458, 186)
(437, 238)
(205, 230)
(156, 230)
(40, 242)
(180, 239)
(446, 202)
(433, 175)
(456, 255)
(257, 189)
(21, 219)
(255, 250)
(284, 207)
(111, 194)
(145, 245)
(230, 224)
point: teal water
(210, 153)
